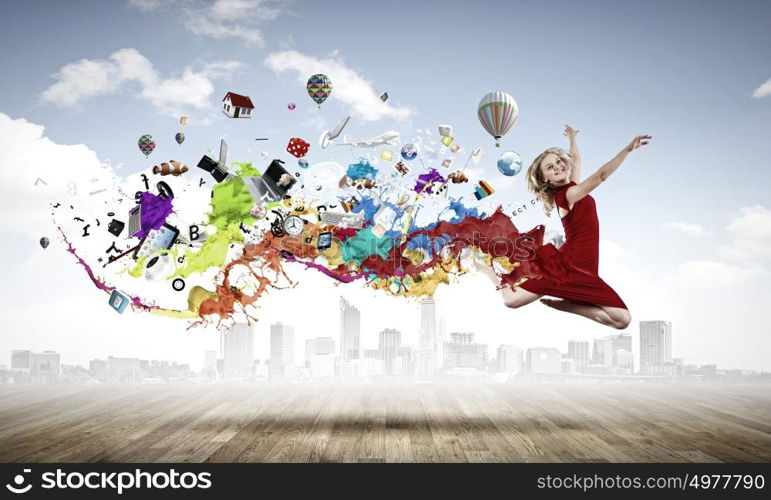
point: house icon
(237, 106)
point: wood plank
(389, 422)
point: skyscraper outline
(350, 331)
(655, 344)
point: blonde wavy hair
(536, 182)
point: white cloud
(712, 274)
(147, 5)
(191, 89)
(685, 228)
(220, 30)
(222, 19)
(763, 90)
(741, 261)
(82, 80)
(348, 86)
(752, 233)
(64, 171)
(234, 10)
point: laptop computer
(267, 188)
(217, 169)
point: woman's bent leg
(511, 298)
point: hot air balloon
(319, 87)
(180, 137)
(146, 144)
(44, 242)
(498, 112)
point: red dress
(581, 252)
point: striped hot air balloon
(146, 144)
(319, 87)
(498, 112)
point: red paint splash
(495, 235)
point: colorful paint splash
(240, 249)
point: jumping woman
(555, 179)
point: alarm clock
(294, 225)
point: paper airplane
(390, 138)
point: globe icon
(409, 152)
(509, 163)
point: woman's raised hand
(570, 132)
(640, 140)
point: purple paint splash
(344, 278)
(154, 211)
(430, 178)
(101, 285)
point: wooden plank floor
(385, 423)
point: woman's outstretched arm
(575, 156)
(577, 192)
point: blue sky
(684, 72)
